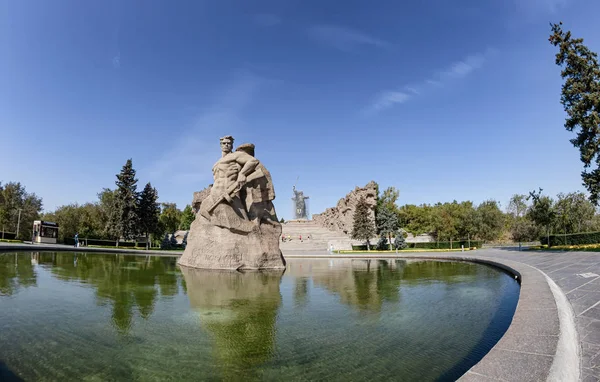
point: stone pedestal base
(213, 247)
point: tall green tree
(187, 217)
(388, 199)
(523, 230)
(574, 212)
(107, 208)
(517, 206)
(363, 227)
(125, 217)
(387, 223)
(149, 212)
(490, 220)
(542, 211)
(170, 217)
(580, 98)
(15, 201)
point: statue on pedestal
(299, 204)
(236, 225)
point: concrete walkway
(555, 332)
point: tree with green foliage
(490, 220)
(416, 219)
(173, 241)
(107, 200)
(74, 218)
(542, 211)
(580, 98)
(523, 230)
(187, 218)
(382, 243)
(387, 222)
(282, 220)
(363, 227)
(517, 206)
(574, 213)
(170, 217)
(166, 242)
(14, 198)
(148, 212)
(124, 217)
(399, 241)
(388, 199)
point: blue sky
(443, 100)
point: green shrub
(572, 239)
(431, 245)
(382, 244)
(8, 235)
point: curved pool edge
(541, 342)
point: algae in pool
(66, 316)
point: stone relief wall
(341, 217)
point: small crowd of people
(285, 238)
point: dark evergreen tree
(125, 217)
(581, 100)
(363, 227)
(382, 243)
(173, 241)
(148, 212)
(387, 222)
(166, 242)
(399, 242)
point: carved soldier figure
(258, 194)
(236, 226)
(223, 207)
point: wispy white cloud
(116, 61)
(266, 19)
(344, 39)
(456, 70)
(464, 67)
(389, 98)
(193, 152)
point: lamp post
(18, 223)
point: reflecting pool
(96, 317)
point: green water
(78, 317)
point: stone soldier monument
(236, 225)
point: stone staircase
(320, 238)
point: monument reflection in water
(239, 310)
(66, 316)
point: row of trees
(18, 209)
(122, 213)
(527, 218)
